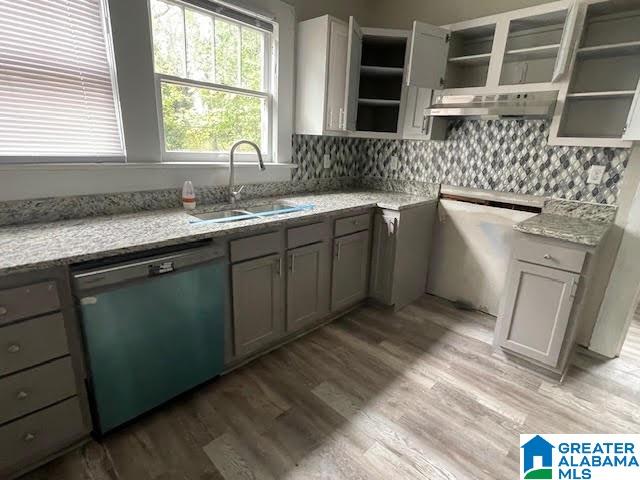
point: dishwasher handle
(147, 267)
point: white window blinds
(56, 84)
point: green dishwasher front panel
(152, 340)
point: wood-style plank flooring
(374, 395)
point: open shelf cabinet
(596, 104)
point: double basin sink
(258, 211)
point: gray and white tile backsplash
(502, 155)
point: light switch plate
(393, 163)
(596, 172)
(326, 160)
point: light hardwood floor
(416, 394)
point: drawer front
(357, 223)
(254, 247)
(29, 301)
(306, 235)
(554, 256)
(36, 436)
(33, 389)
(34, 341)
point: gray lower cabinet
(258, 316)
(400, 254)
(536, 311)
(350, 270)
(308, 283)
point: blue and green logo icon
(536, 459)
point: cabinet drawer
(28, 343)
(28, 301)
(306, 235)
(554, 256)
(357, 223)
(41, 434)
(31, 390)
(254, 247)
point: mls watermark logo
(580, 457)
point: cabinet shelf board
(532, 53)
(381, 71)
(378, 102)
(610, 94)
(611, 50)
(480, 59)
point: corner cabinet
(598, 104)
(400, 254)
(363, 74)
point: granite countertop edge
(74, 241)
(580, 231)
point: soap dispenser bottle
(188, 196)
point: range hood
(491, 106)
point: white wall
(471, 252)
(402, 13)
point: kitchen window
(214, 77)
(58, 96)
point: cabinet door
(568, 41)
(307, 285)
(632, 129)
(354, 59)
(536, 311)
(383, 258)
(428, 56)
(350, 267)
(337, 75)
(257, 303)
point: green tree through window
(230, 102)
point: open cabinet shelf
(377, 102)
(480, 59)
(381, 71)
(611, 50)
(532, 53)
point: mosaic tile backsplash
(502, 155)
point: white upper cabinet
(336, 76)
(428, 56)
(597, 102)
(354, 60)
(321, 59)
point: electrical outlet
(393, 163)
(596, 172)
(326, 160)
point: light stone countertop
(35, 246)
(571, 229)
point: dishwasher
(153, 328)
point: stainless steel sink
(273, 207)
(257, 211)
(221, 216)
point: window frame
(269, 93)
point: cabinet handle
(424, 124)
(3, 311)
(21, 395)
(13, 348)
(29, 437)
(339, 244)
(279, 266)
(292, 263)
